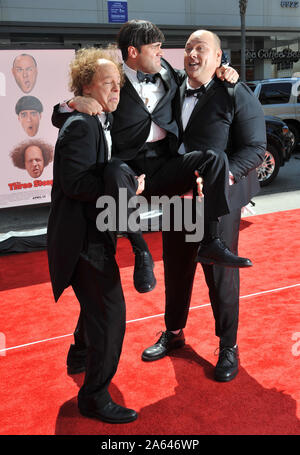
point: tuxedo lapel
(166, 78)
(130, 90)
(102, 152)
(110, 118)
(180, 104)
(182, 92)
(202, 102)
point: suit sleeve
(77, 149)
(58, 118)
(179, 75)
(248, 133)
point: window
(285, 65)
(278, 93)
(251, 86)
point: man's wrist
(66, 106)
(70, 103)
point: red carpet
(176, 395)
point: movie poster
(31, 83)
(174, 57)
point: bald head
(25, 72)
(202, 56)
(204, 34)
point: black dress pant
(171, 175)
(168, 175)
(223, 282)
(101, 326)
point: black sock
(137, 242)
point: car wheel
(269, 168)
(294, 129)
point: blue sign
(117, 11)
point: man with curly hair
(33, 156)
(79, 254)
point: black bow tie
(195, 92)
(143, 77)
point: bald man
(25, 72)
(212, 115)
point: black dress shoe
(216, 252)
(143, 276)
(111, 413)
(76, 359)
(165, 344)
(228, 364)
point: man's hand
(199, 181)
(141, 184)
(227, 74)
(86, 105)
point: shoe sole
(143, 291)
(230, 378)
(233, 266)
(161, 356)
(94, 415)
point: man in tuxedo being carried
(225, 118)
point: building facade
(272, 27)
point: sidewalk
(282, 194)
(277, 202)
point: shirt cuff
(64, 107)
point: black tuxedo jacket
(132, 120)
(80, 154)
(229, 119)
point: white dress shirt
(187, 108)
(105, 126)
(151, 94)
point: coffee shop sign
(271, 54)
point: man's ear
(219, 57)
(132, 52)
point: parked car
(280, 142)
(280, 98)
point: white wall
(264, 13)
